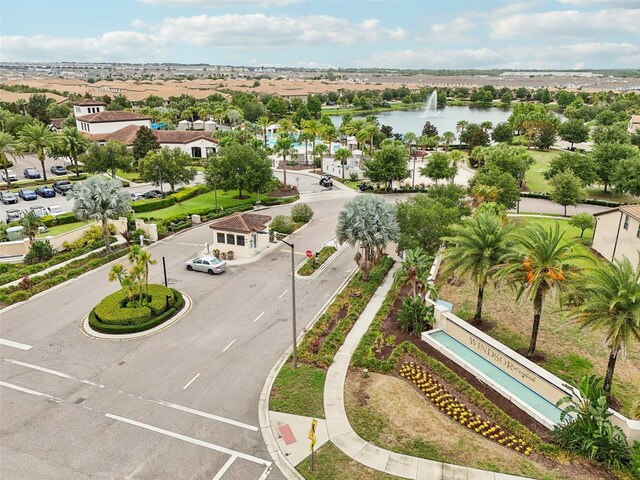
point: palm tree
(539, 264)
(74, 144)
(415, 265)
(410, 138)
(30, 222)
(367, 223)
(477, 245)
(39, 139)
(318, 152)
(100, 198)
(8, 147)
(461, 126)
(283, 146)
(612, 304)
(367, 133)
(306, 137)
(447, 139)
(354, 126)
(263, 122)
(313, 128)
(342, 155)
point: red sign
(309, 253)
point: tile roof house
(237, 233)
(634, 124)
(617, 233)
(109, 121)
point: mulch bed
(342, 313)
(284, 192)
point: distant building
(617, 233)
(634, 124)
(91, 117)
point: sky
(416, 34)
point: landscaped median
(315, 262)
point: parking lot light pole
(293, 296)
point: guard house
(237, 233)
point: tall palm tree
(354, 126)
(416, 262)
(306, 137)
(447, 139)
(367, 133)
(342, 155)
(539, 264)
(314, 129)
(367, 223)
(74, 144)
(318, 152)
(477, 245)
(100, 198)
(8, 147)
(283, 146)
(39, 139)
(461, 126)
(263, 122)
(612, 304)
(30, 222)
(409, 139)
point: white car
(9, 176)
(208, 264)
(39, 211)
(55, 210)
(137, 196)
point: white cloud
(111, 46)
(221, 3)
(588, 55)
(259, 30)
(565, 24)
(613, 3)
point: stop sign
(309, 253)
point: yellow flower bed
(457, 411)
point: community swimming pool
(271, 141)
(509, 384)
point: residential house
(617, 233)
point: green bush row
(110, 310)
(588, 201)
(354, 298)
(152, 204)
(17, 293)
(186, 193)
(124, 329)
(66, 218)
(38, 183)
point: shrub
(186, 193)
(66, 218)
(152, 204)
(635, 460)
(19, 296)
(353, 176)
(40, 251)
(48, 221)
(282, 224)
(91, 236)
(301, 213)
(113, 310)
(415, 315)
(134, 237)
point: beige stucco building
(634, 124)
(237, 233)
(617, 233)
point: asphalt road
(178, 404)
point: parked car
(55, 210)
(58, 170)
(39, 211)
(31, 173)
(14, 216)
(62, 186)
(207, 263)
(45, 192)
(137, 196)
(9, 176)
(27, 194)
(364, 186)
(8, 197)
(325, 181)
(154, 194)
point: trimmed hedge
(97, 325)
(186, 193)
(111, 310)
(152, 204)
(65, 218)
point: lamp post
(293, 296)
(160, 175)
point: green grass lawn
(131, 176)
(300, 391)
(60, 229)
(534, 178)
(206, 200)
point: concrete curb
(90, 332)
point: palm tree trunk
(477, 319)
(44, 172)
(105, 232)
(284, 159)
(538, 301)
(608, 379)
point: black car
(8, 197)
(31, 173)
(62, 186)
(325, 181)
(45, 192)
(154, 194)
(58, 170)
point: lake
(404, 121)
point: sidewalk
(285, 435)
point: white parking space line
(258, 317)
(210, 416)
(266, 472)
(191, 440)
(11, 343)
(283, 293)
(52, 372)
(190, 382)
(30, 392)
(227, 347)
(224, 468)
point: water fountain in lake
(432, 105)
